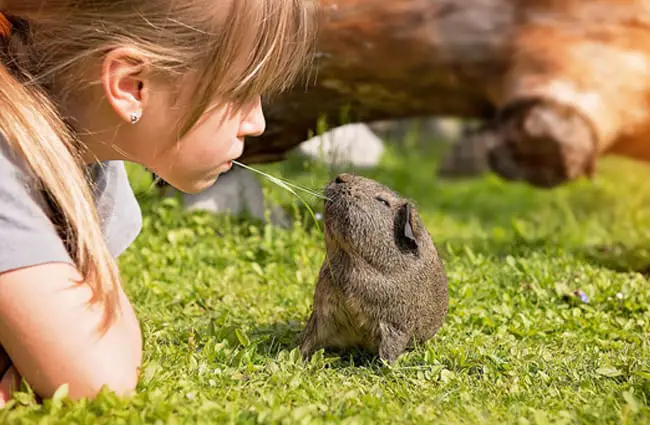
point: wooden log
(391, 59)
(564, 81)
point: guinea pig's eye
(383, 201)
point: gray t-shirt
(28, 237)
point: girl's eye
(383, 201)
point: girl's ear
(124, 80)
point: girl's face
(191, 163)
(194, 162)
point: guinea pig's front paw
(307, 348)
(393, 342)
(309, 338)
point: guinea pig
(382, 286)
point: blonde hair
(240, 48)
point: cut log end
(539, 141)
(544, 143)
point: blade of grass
(279, 179)
(289, 187)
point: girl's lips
(224, 167)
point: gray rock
(438, 129)
(350, 144)
(468, 157)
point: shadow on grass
(619, 257)
(272, 338)
(616, 257)
(490, 247)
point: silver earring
(135, 117)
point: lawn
(548, 319)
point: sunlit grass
(222, 301)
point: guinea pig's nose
(342, 178)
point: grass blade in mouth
(279, 180)
(289, 187)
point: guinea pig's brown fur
(382, 285)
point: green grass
(222, 300)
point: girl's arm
(51, 334)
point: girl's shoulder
(28, 235)
(117, 206)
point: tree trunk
(563, 81)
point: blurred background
(493, 114)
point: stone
(430, 129)
(350, 144)
(468, 157)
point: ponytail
(33, 128)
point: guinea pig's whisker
(282, 182)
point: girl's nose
(254, 122)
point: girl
(173, 85)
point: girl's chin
(201, 182)
(196, 186)
(211, 178)
(224, 167)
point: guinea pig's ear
(409, 224)
(408, 227)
